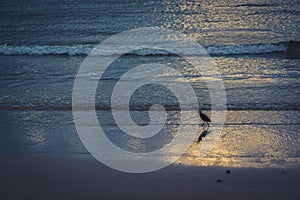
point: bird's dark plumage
(204, 116)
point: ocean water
(43, 43)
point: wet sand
(85, 178)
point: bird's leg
(208, 124)
(204, 125)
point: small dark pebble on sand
(227, 171)
(219, 181)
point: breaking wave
(74, 50)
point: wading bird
(206, 121)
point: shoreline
(256, 139)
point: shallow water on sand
(249, 138)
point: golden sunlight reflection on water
(252, 139)
(198, 18)
(249, 139)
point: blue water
(43, 43)
(80, 22)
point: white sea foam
(85, 49)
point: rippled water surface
(43, 43)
